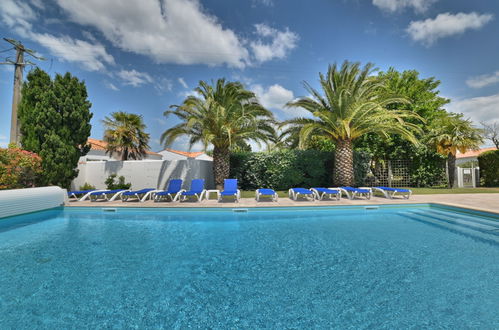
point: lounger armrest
(316, 193)
(177, 195)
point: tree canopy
(55, 115)
(352, 103)
(224, 115)
(125, 135)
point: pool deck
(481, 202)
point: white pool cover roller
(20, 201)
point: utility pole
(19, 64)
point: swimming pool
(343, 267)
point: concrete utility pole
(19, 64)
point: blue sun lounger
(390, 192)
(136, 194)
(96, 195)
(266, 192)
(294, 193)
(352, 193)
(230, 190)
(320, 193)
(197, 190)
(174, 186)
(74, 194)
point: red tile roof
(473, 153)
(101, 145)
(185, 153)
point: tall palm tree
(125, 135)
(224, 115)
(451, 133)
(353, 103)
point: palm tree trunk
(124, 154)
(451, 169)
(343, 163)
(221, 165)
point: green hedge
(489, 168)
(284, 169)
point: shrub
(19, 168)
(284, 169)
(87, 186)
(489, 168)
(112, 185)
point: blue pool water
(390, 267)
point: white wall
(145, 173)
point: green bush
(112, 184)
(284, 169)
(427, 169)
(87, 186)
(489, 168)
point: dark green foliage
(427, 168)
(120, 184)
(55, 123)
(87, 186)
(489, 168)
(424, 98)
(284, 169)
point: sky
(142, 56)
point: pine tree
(55, 123)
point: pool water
(389, 267)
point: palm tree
(354, 103)
(450, 133)
(125, 135)
(223, 115)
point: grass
(415, 191)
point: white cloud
(111, 86)
(19, 17)
(274, 97)
(90, 56)
(169, 31)
(182, 82)
(163, 85)
(392, 6)
(278, 44)
(445, 25)
(38, 4)
(483, 80)
(134, 78)
(186, 94)
(482, 108)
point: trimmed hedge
(489, 168)
(284, 169)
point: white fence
(145, 173)
(467, 177)
(20, 201)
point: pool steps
(465, 225)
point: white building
(470, 156)
(170, 154)
(98, 152)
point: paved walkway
(481, 202)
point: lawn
(415, 191)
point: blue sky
(141, 56)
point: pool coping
(248, 203)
